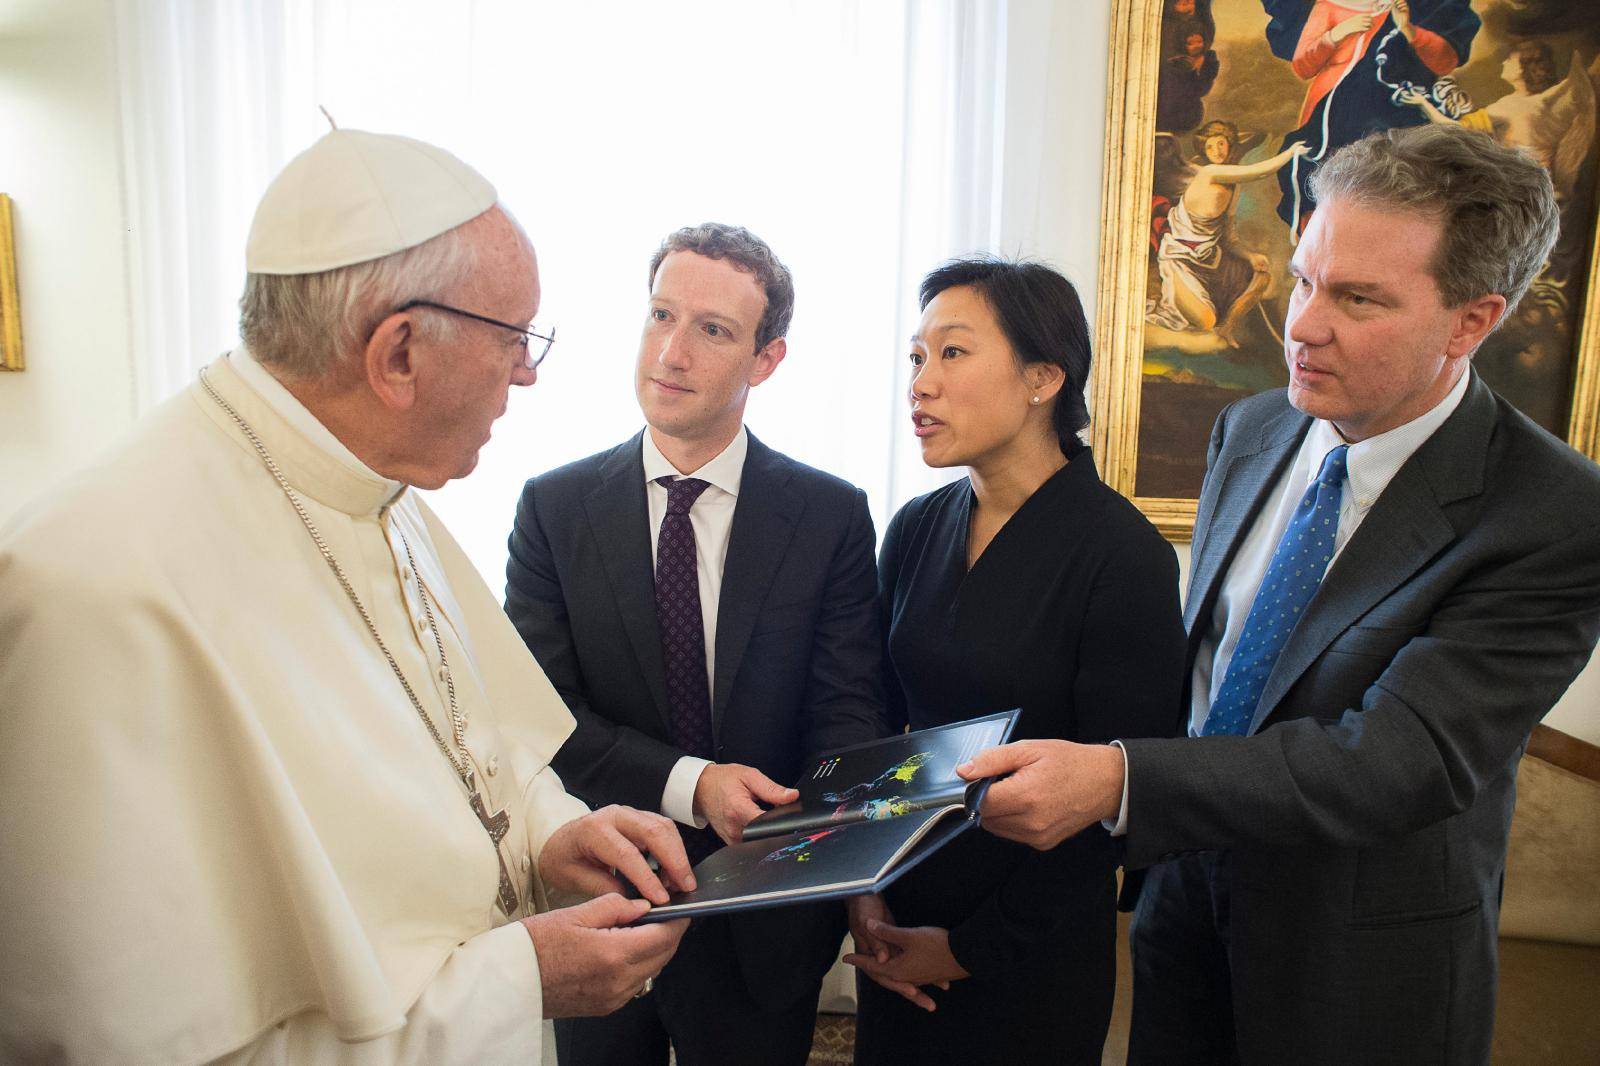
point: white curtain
(205, 90)
(864, 140)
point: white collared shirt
(711, 518)
(1369, 467)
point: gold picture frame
(10, 309)
(1128, 258)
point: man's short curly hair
(749, 253)
(1496, 205)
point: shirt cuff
(677, 799)
(1119, 828)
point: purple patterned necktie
(683, 638)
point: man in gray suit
(1395, 575)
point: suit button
(527, 864)
(492, 767)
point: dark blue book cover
(866, 814)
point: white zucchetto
(355, 196)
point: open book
(866, 814)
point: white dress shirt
(1369, 467)
(711, 518)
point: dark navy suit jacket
(798, 652)
(1367, 814)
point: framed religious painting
(1219, 112)
(10, 313)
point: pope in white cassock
(274, 781)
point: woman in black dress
(1027, 584)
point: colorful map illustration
(902, 773)
(800, 850)
(876, 810)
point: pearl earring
(1036, 401)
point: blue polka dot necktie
(1292, 577)
(683, 638)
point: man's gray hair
(749, 253)
(303, 324)
(1497, 206)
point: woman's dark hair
(1040, 314)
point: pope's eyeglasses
(536, 345)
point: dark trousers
(1182, 978)
(699, 1007)
(1050, 1007)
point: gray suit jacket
(1367, 813)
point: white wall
(1578, 712)
(59, 159)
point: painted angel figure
(1554, 121)
(1209, 280)
(1189, 64)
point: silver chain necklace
(497, 824)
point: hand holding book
(730, 795)
(864, 815)
(1048, 790)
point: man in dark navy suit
(707, 608)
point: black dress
(1071, 613)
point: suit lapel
(764, 522)
(1406, 528)
(1246, 482)
(619, 520)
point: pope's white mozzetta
(235, 834)
(275, 778)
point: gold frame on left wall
(10, 309)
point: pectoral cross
(497, 825)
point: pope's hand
(581, 855)
(590, 963)
(728, 795)
(1054, 789)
